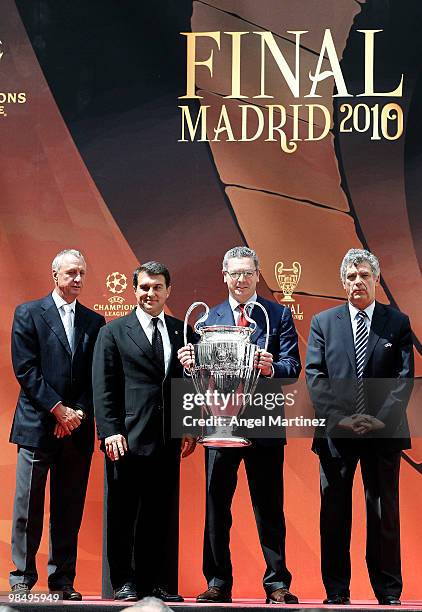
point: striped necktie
(361, 342)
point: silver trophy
(225, 373)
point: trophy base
(221, 442)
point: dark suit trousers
(264, 470)
(380, 474)
(69, 471)
(143, 519)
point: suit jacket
(282, 342)
(48, 373)
(130, 396)
(388, 374)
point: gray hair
(354, 257)
(150, 603)
(240, 251)
(57, 261)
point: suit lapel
(346, 333)
(81, 323)
(176, 339)
(138, 336)
(259, 318)
(51, 316)
(378, 322)
(225, 314)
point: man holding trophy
(263, 459)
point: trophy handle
(200, 320)
(251, 321)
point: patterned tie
(68, 323)
(242, 320)
(361, 342)
(157, 343)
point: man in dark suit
(359, 370)
(134, 362)
(52, 345)
(264, 458)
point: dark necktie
(157, 343)
(361, 342)
(242, 320)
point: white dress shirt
(147, 325)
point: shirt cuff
(55, 406)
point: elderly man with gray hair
(52, 346)
(359, 370)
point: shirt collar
(234, 303)
(59, 301)
(145, 319)
(369, 311)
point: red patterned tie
(242, 320)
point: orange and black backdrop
(90, 158)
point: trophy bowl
(225, 373)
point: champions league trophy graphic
(287, 279)
(225, 367)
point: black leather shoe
(281, 596)
(162, 594)
(215, 595)
(337, 600)
(20, 589)
(70, 593)
(127, 592)
(389, 600)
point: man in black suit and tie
(134, 362)
(264, 458)
(359, 370)
(52, 345)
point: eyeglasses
(244, 273)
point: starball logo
(116, 284)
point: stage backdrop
(292, 127)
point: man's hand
(67, 418)
(188, 445)
(264, 362)
(115, 446)
(361, 423)
(367, 423)
(186, 356)
(59, 432)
